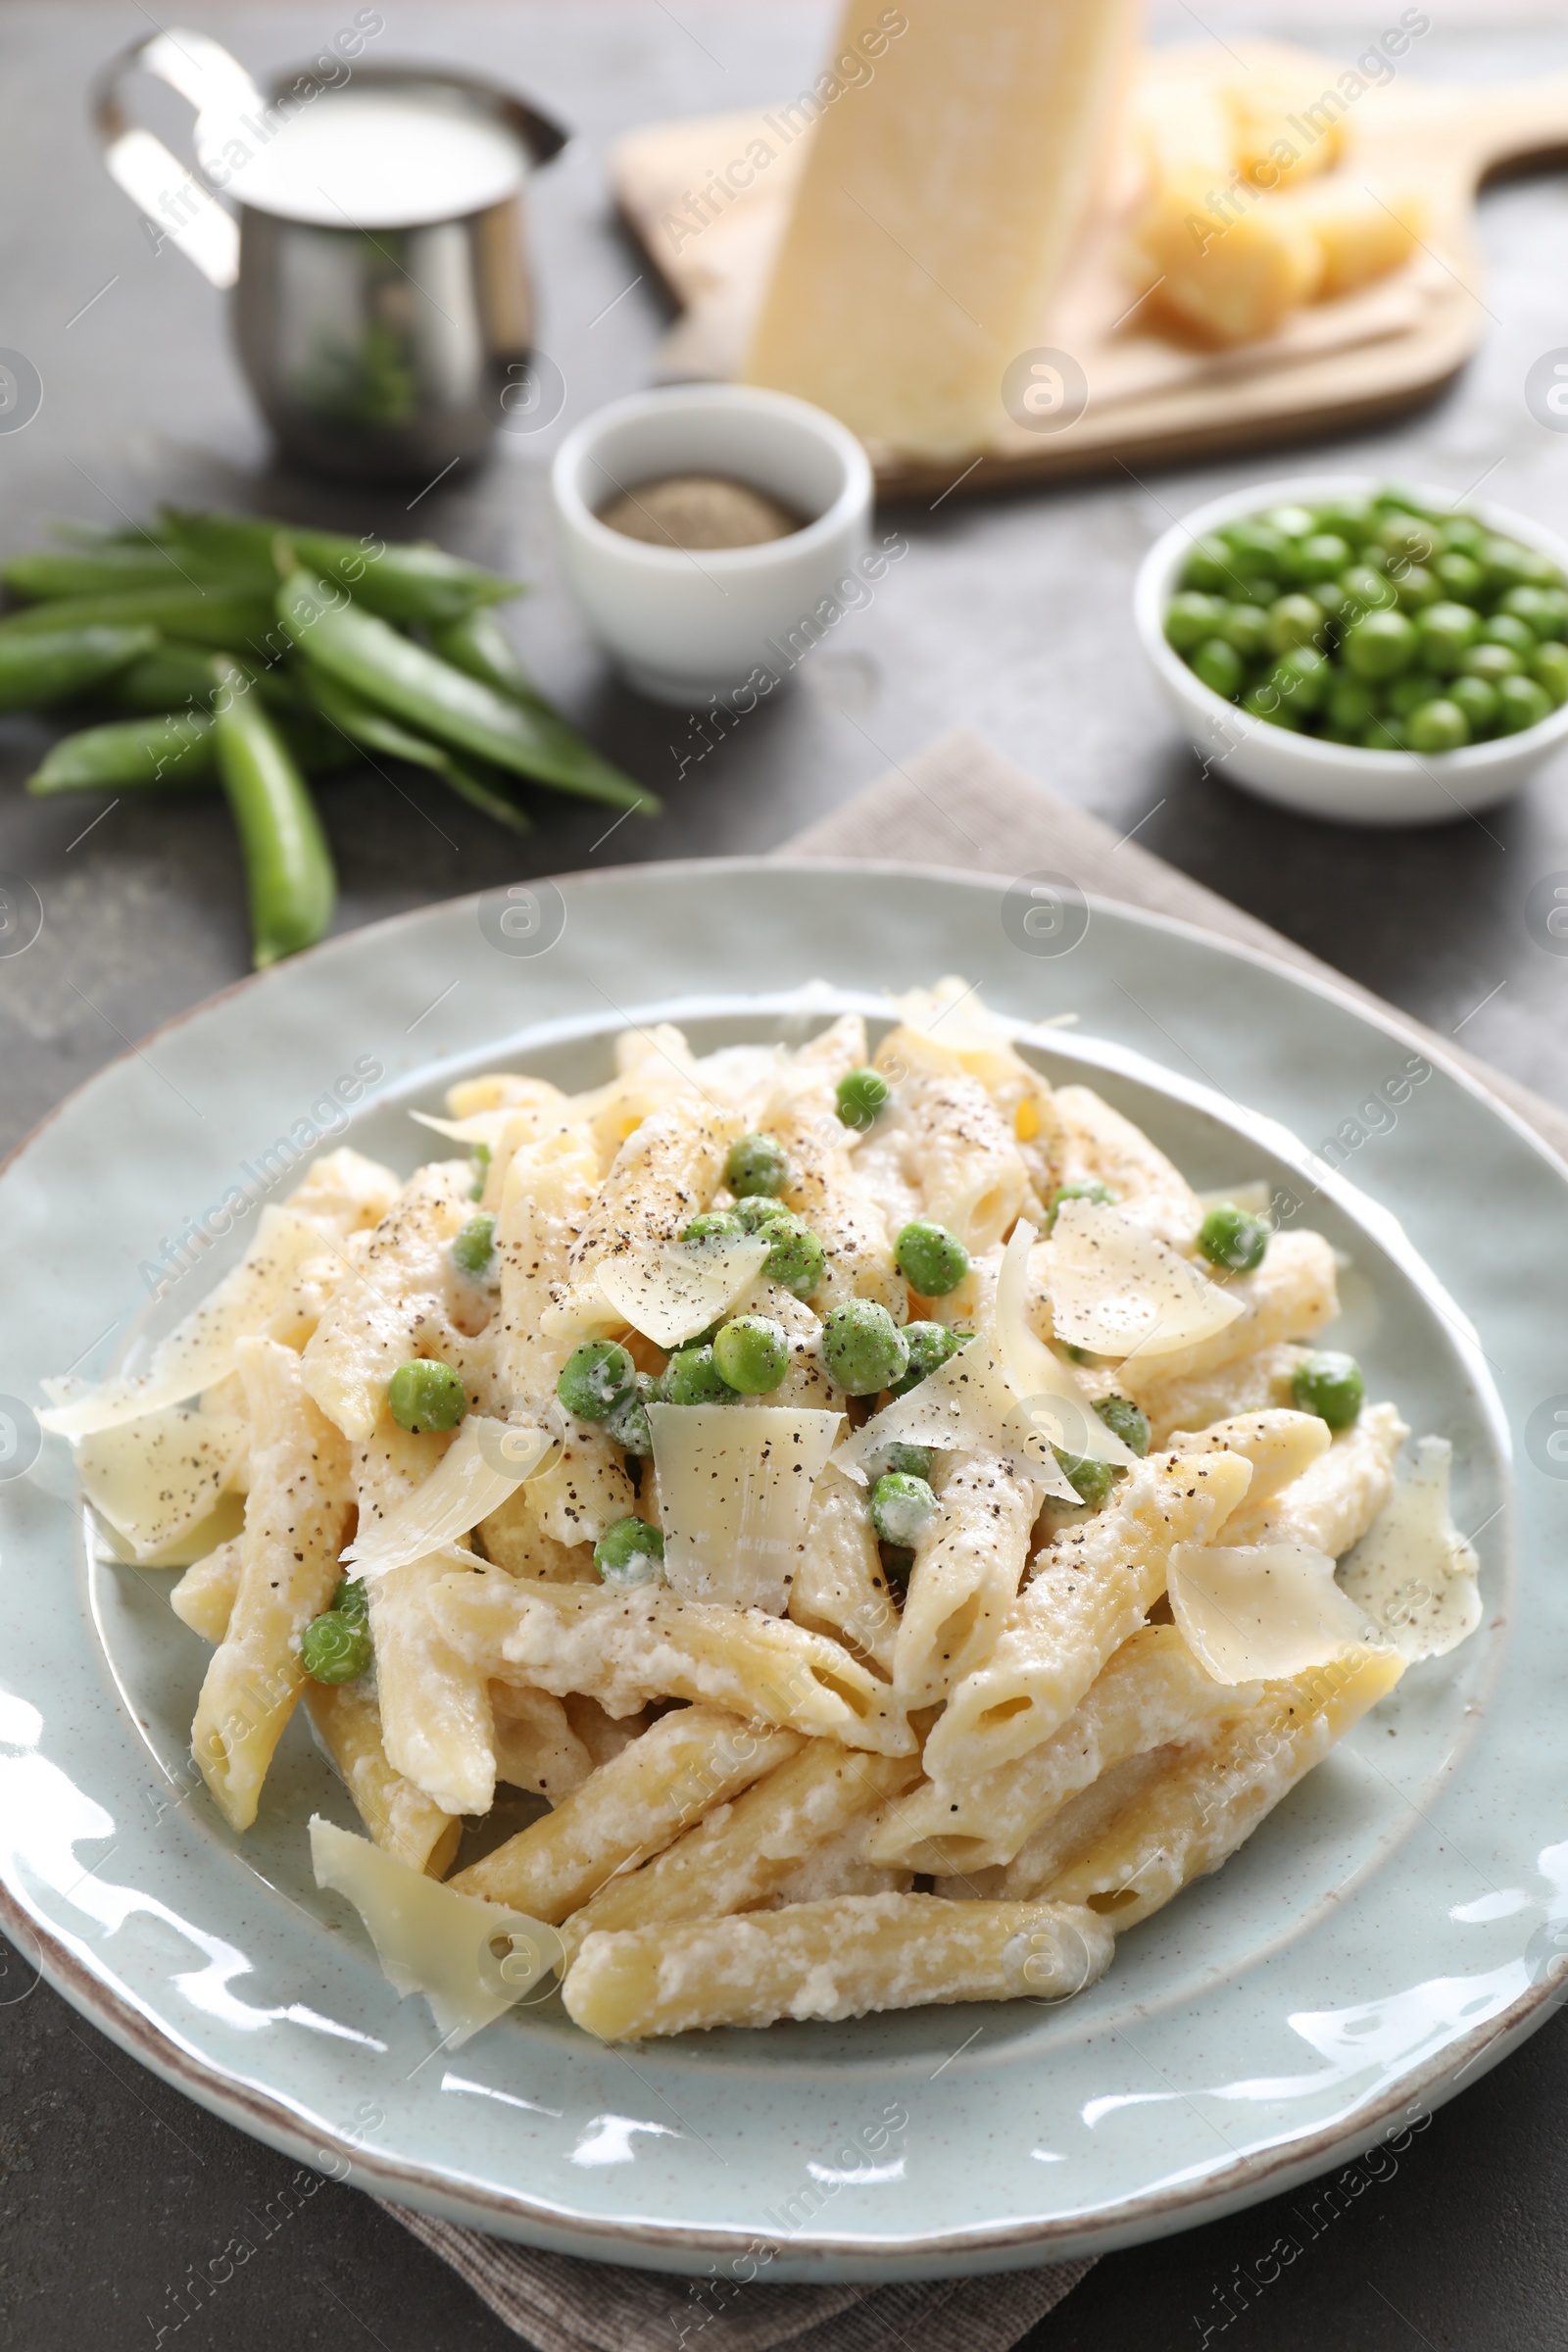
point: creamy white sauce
(364, 159)
(1412, 1572)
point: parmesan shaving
(1412, 1572)
(155, 1478)
(479, 1127)
(198, 1352)
(1119, 1292)
(1258, 1612)
(470, 1958)
(483, 1467)
(669, 1291)
(1048, 1394)
(734, 1493)
(966, 1406)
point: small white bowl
(685, 625)
(1336, 780)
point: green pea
(1459, 576)
(1208, 567)
(1409, 693)
(1218, 666)
(930, 1345)
(1267, 702)
(1301, 678)
(1405, 537)
(479, 1162)
(754, 1213)
(900, 1507)
(1549, 666)
(797, 1259)
(1091, 1481)
(1380, 644)
(1289, 521)
(1491, 662)
(1256, 551)
(1331, 1385)
(473, 1248)
(1350, 516)
(1461, 535)
(1230, 1238)
(1531, 606)
(1245, 627)
(627, 1422)
(691, 1377)
(1507, 628)
(751, 1353)
(1191, 616)
(915, 1461)
(1437, 726)
(756, 1163)
(1521, 703)
(1552, 612)
(1333, 598)
(1295, 620)
(1352, 704)
(1415, 586)
(335, 1648)
(931, 1259)
(1504, 564)
(1386, 735)
(1365, 590)
(596, 1377)
(426, 1394)
(1374, 558)
(864, 1348)
(631, 1551)
(1479, 702)
(1322, 556)
(1446, 632)
(861, 1095)
(1125, 1420)
(352, 1600)
(1091, 1189)
(716, 1225)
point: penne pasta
(1292, 1293)
(840, 1589)
(1099, 1146)
(203, 1598)
(1335, 1498)
(964, 1582)
(402, 1820)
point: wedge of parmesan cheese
(200, 1352)
(734, 1493)
(669, 1291)
(1119, 1292)
(1045, 1389)
(484, 1466)
(471, 1959)
(1258, 1612)
(155, 1478)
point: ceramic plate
(1383, 1939)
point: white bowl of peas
(1368, 652)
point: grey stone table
(1011, 616)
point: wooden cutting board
(1151, 398)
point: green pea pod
(173, 749)
(287, 864)
(50, 666)
(364, 654)
(478, 646)
(90, 571)
(171, 678)
(211, 616)
(409, 582)
(360, 722)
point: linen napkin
(975, 811)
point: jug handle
(171, 196)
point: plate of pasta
(721, 1598)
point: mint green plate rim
(1393, 1929)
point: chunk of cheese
(1256, 1612)
(669, 1291)
(470, 1958)
(1412, 1572)
(483, 1467)
(1119, 1292)
(954, 154)
(200, 1352)
(734, 1491)
(155, 1478)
